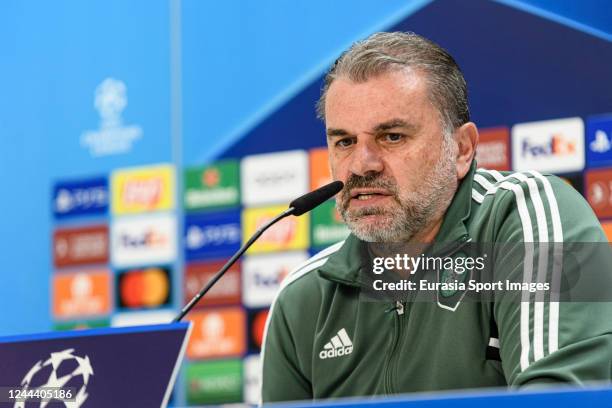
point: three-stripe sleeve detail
(538, 234)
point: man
(400, 138)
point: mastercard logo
(258, 324)
(144, 288)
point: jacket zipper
(463, 241)
(399, 308)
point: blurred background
(142, 141)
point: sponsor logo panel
(143, 189)
(125, 319)
(252, 379)
(274, 177)
(225, 292)
(79, 246)
(327, 226)
(143, 240)
(217, 333)
(599, 191)
(599, 141)
(84, 197)
(555, 146)
(144, 288)
(212, 235)
(81, 294)
(607, 227)
(214, 382)
(212, 186)
(319, 168)
(493, 150)
(257, 322)
(287, 234)
(81, 325)
(263, 274)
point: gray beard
(398, 226)
(414, 210)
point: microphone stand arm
(229, 263)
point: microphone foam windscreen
(310, 200)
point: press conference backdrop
(143, 142)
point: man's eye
(393, 137)
(344, 142)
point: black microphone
(311, 200)
(297, 207)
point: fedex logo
(262, 275)
(557, 145)
(551, 146)
(143, 240)
(150, 237)
(270, 281)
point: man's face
(387, 145)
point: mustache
(372, 180)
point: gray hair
(385, 52)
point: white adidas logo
(340, 345)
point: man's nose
(366, 158)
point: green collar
(344, 265)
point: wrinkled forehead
(382, 98)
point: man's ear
(466, 138)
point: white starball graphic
(81, 374)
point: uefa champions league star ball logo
(61, 370)
(110, 101)
(112, 137)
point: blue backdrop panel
(53, 56)
(241, 60)
(519, 67)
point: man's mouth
(363, 197)
(368, 196)
(365, 194)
